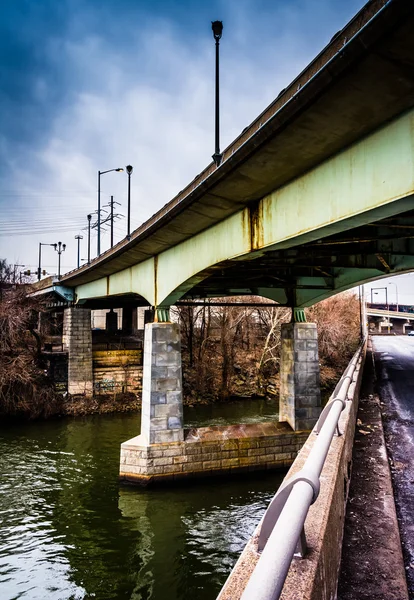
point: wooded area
(231, 351)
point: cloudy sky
(88, 85)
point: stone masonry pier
(210, 451)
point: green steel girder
(330, 229)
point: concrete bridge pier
(300, 396)
(162, 396)
(77, 341)
(165, 452)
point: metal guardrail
(282, 533)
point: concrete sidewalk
(372, 566)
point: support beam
(77, 340)
(300, 396)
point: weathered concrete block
(162, 384)
(300, 400)
(77, 340)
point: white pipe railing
(282, 530)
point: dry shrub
(338, 321)
(235, 351)
(24, 388)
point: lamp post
(39, 268)
(89, 239)
(129, 169)
(386, 302)
(380, 288)
(396, 292)
(79, 238)
(59, 247)
(99, 205)
(217, 27)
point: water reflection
(68, 531)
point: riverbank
(63, 405)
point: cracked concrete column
(162, 397)
(77, 340)
(300, 395)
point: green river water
(69, 530)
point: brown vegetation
(235, 351)
(24, 388)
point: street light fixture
(129, 169)
(396, 292)
(380, 288)
(217, 27)
(99, 204)
(386, 302)
(39, 268)
(79, 238)
(59, 247)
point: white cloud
(151, 105)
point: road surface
(394, 362)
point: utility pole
(112, 221)
(110, 218)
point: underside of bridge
(310, 272)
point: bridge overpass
(392, 319)
(313, 198)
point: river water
(69, 530)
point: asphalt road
(394, 362)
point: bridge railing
(282, 532)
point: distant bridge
(383, 319)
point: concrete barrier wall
(316, 576)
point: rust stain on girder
(155, 280)
(256, 225)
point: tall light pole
(396, 291)
(129, 171)
(59, 247)
(79, 238)
(380, 288)
(99, 205)
(89, 239)
(217, 27)
(39, 268)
